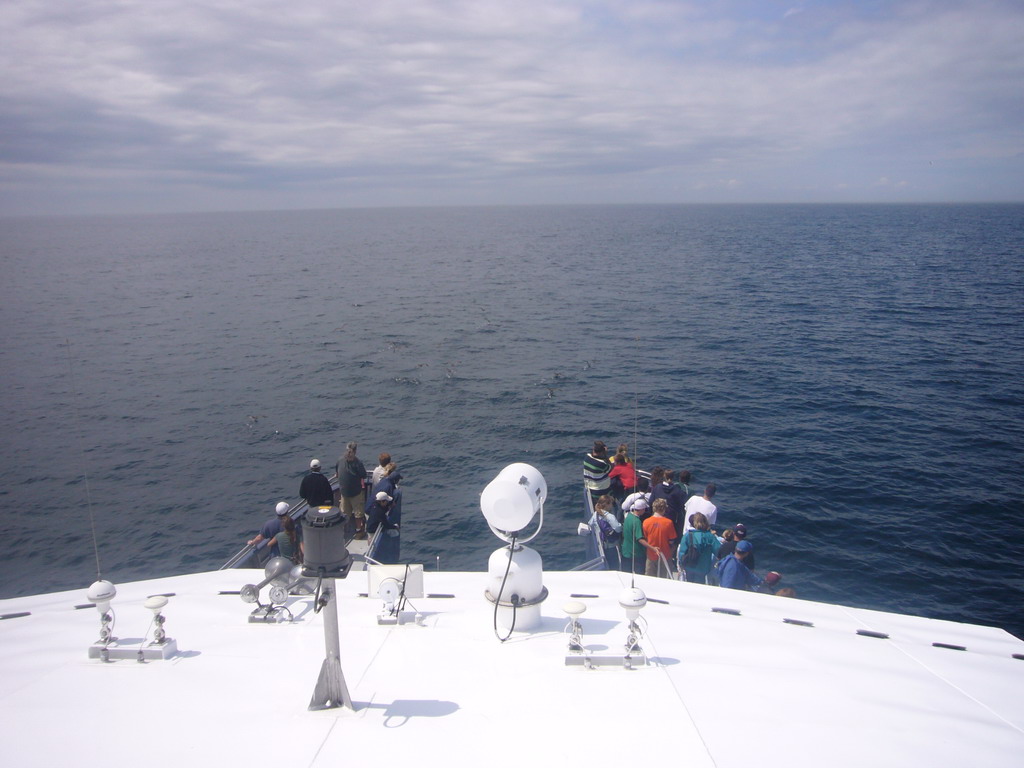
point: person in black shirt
(315, 488)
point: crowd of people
(660, 527)
(657, 526)
(367, 501)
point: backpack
(691, 555)
(609, 535)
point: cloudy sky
(174, 105)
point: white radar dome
(632, 599)
(155, 603)
(101, 592)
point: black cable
(497, 598)
(317, 607)
(632, 567)
(401, 595)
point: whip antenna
(636, 411)
(85, 469)
(636, 446)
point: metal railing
(256, 556)
(254, 552)
(595, 547)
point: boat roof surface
(720, 690)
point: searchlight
(509, 503)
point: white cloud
(487, 95)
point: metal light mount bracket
(574, 609)
(577, 654)
(107, 648)
(278, 572)
(631, 600)
(517, 602)
(390, 593)
(162, 646)
(395, 585)
(101, 593)
(156, 604)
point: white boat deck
(720, 690)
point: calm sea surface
(852, 378)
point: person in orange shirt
(658, 532)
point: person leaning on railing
(596, 471)
(271, 528)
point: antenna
(636, 410)
(85, 469)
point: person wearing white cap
(384, 513)
(271, 528)
(634, 554)
(629, 501)
(315, 488)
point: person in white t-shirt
(380, 471)
(703, 505)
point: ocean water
(852, 378)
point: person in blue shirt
(733, 572)
(386, 512)
(271, 528)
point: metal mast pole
(331, 690)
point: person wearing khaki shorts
(352, 487)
